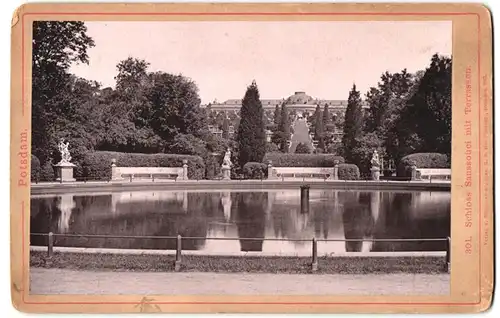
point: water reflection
(359, 215)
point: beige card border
(472, 269)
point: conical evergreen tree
(284, 128)
(327, 118)
(277, 116)
(353, 123)
(319, 130)
(251, 132)
(225, 128)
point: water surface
(332, 214)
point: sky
(323, 59)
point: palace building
(299, 102)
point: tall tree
(132, 76)
(175, 106)
(353, 123)
(314, 118)
(378, 100)
(225, 128)
(327, 118)
(319, 130)
(426, 119)
(284, 128)
(251, 133)
(277, 116)
(385, 100)
(56, 45)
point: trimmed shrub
(302, 160)
(272, 147)
(348, 171)
(47, 172)
(35, 168)
(255, 170)
(302, 148)
(97, 165)
(422, 160)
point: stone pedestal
(375, 173)
(185, 170)
(413, 172)
(271, 173)
(335, 175)
(226, 172)
(64, 172)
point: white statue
(227, 159)
(375, 160)
(63, 149)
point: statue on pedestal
(375, 160)
(227, 158)
(226, 165)
(64, 169)
(63, 149)
(375, 166)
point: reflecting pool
(332, 214)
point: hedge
(301, 160)
(255, 170)
(47, 172)
(422, 160)
(348, 171)
(302, 148)
(97, 165)
(35, 168)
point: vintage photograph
(241, 158)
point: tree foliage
(251, 133)
(353, 124)
(319, 130)
(363, 151)
(408, 113)
(327, 118)
(56, 45)
(277, 116)
(425, 123)
(154, 112)
(225, 128)
(147, 112)
(283, 132)
(302, 148)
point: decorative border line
(23, 212)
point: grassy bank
(228, 264)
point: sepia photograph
(269, 157)
(251, 158)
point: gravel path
(60, 281)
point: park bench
(153, 176)
(429, 174)
(153, 173)
(301, 172)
